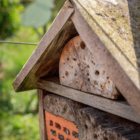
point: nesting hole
(51, 123)
(78, 64)
(81, 81)
(59, 103)
(105, 138)
(66, 73)
(82, 44)
(97, 72)
(88, 79)
(94, 86)
(92, 62)
(75, 134)
(103, 72)
(76, 82)
(87, 74)
(95, 136)
(86, 127)
(61, 137)
(88, 66)
(81, 69)
(58, 126)
(72, 67)
(74, 59)
(53, 132)
(75, 74)
(64, 63)
(63, 77)
(67, 131)
(102, 86)
(109, 82)
(68, 59)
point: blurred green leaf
(38, 13)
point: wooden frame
(44, 61)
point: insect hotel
(86, 72)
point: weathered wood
(109, 63)
(79, 69)
(61, 106)
(118, 108)
(42, 126)
(99, 125)
(45, 59)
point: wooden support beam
(42, 126)
(119, 108)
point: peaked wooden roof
(108, 28)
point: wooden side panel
(47, 52)
(42, 126)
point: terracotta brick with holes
(59, 128)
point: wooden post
(42, 126)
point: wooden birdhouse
(89, 58)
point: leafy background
(19, 111)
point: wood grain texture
(107, 61)
(42, 126)
(46, 55)
(80, 70)
(99, 125)
(118, 108)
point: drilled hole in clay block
(67, 131)
(86, 127)
(66, 73)
(57, 126)
(74, 59)
(97, 72)
(82, 44)
(68, 59)
(75, 74)
(87, 74)
(60, 137)
(63, 77)
(76, 82)
(88, 66)
(88, 79)
(51, 123)
(53, 132)
(75, 134)
(83, 58)
(103, 72)
(102, 86)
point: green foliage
(18, 111)
(38, 13)
(9, 20)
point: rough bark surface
(63, 107)
(79, 69)
(94, 124)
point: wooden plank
(79, 69)
(45, 58)
(118, 108)
(104, 57)
(42, 125)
